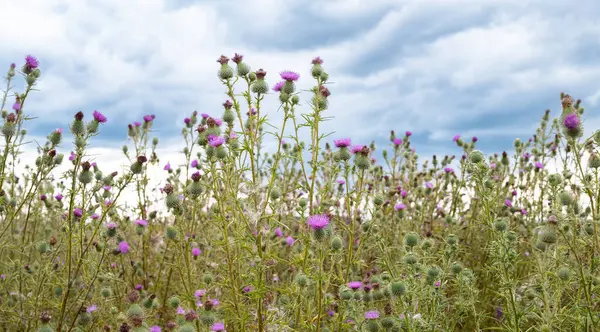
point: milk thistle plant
(308, 236)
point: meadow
(320, 235)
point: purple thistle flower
(571, 121)
(107, 188)
(289, 76)
(372, 314)
(429, 185)
(357, 148)
(205, 116)
(342, 142)
(148, 118)
(16, 106)
(508, 203)
(408, 133)
(493, 165)
(155, 328)
(78, 212)
(448, 170)
(539, 165)
(72, 156)
(438, 283)
(215, 141)
(141, 222)
(341, 181)
(290, 241)
(58, 197)
(247, 289)
(217, 327)
(355, 285)
(397, 141)
(95, 216)
(403, 193)
(194, 163)
(186, 120)
(31, 62)
(167, 167)
(278, 232)
(475, 139)
(180, 311)
(123, 247)
(499, 313)
(200, 293)
(139, 287)
(137, 123)
(99, 117)
(92, 308)
(196, 252)
(456, 138)
(277, 87)
(111, 225)
(318, 221)
(218, 122)
(400, 206)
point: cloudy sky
(438, 68)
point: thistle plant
(311, 233)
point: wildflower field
(319, 235)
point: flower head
(196, 252)
(92, 308)
(167, 167)
(289, 75)
(342, 142)
(318, 221)
(31, 62)
(99, 117)
(397, 141)
(357, 148)
(456, 138)
(149, 118)
(141, 222)
(218, 326)
(400, 207)
(372, 314)
(355, 285)
(571, 121)
(277, 87)
(123, 247)
(215, 141)
(290, 241)
(539, 165)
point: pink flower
(371, 315)
(289, 76)
(318, 221)
(355, 285)
(141, 222)
(342, 142)
(196, 252)
(290, 241)
(123, 247)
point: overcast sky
(438, 68)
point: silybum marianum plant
(313, 236)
